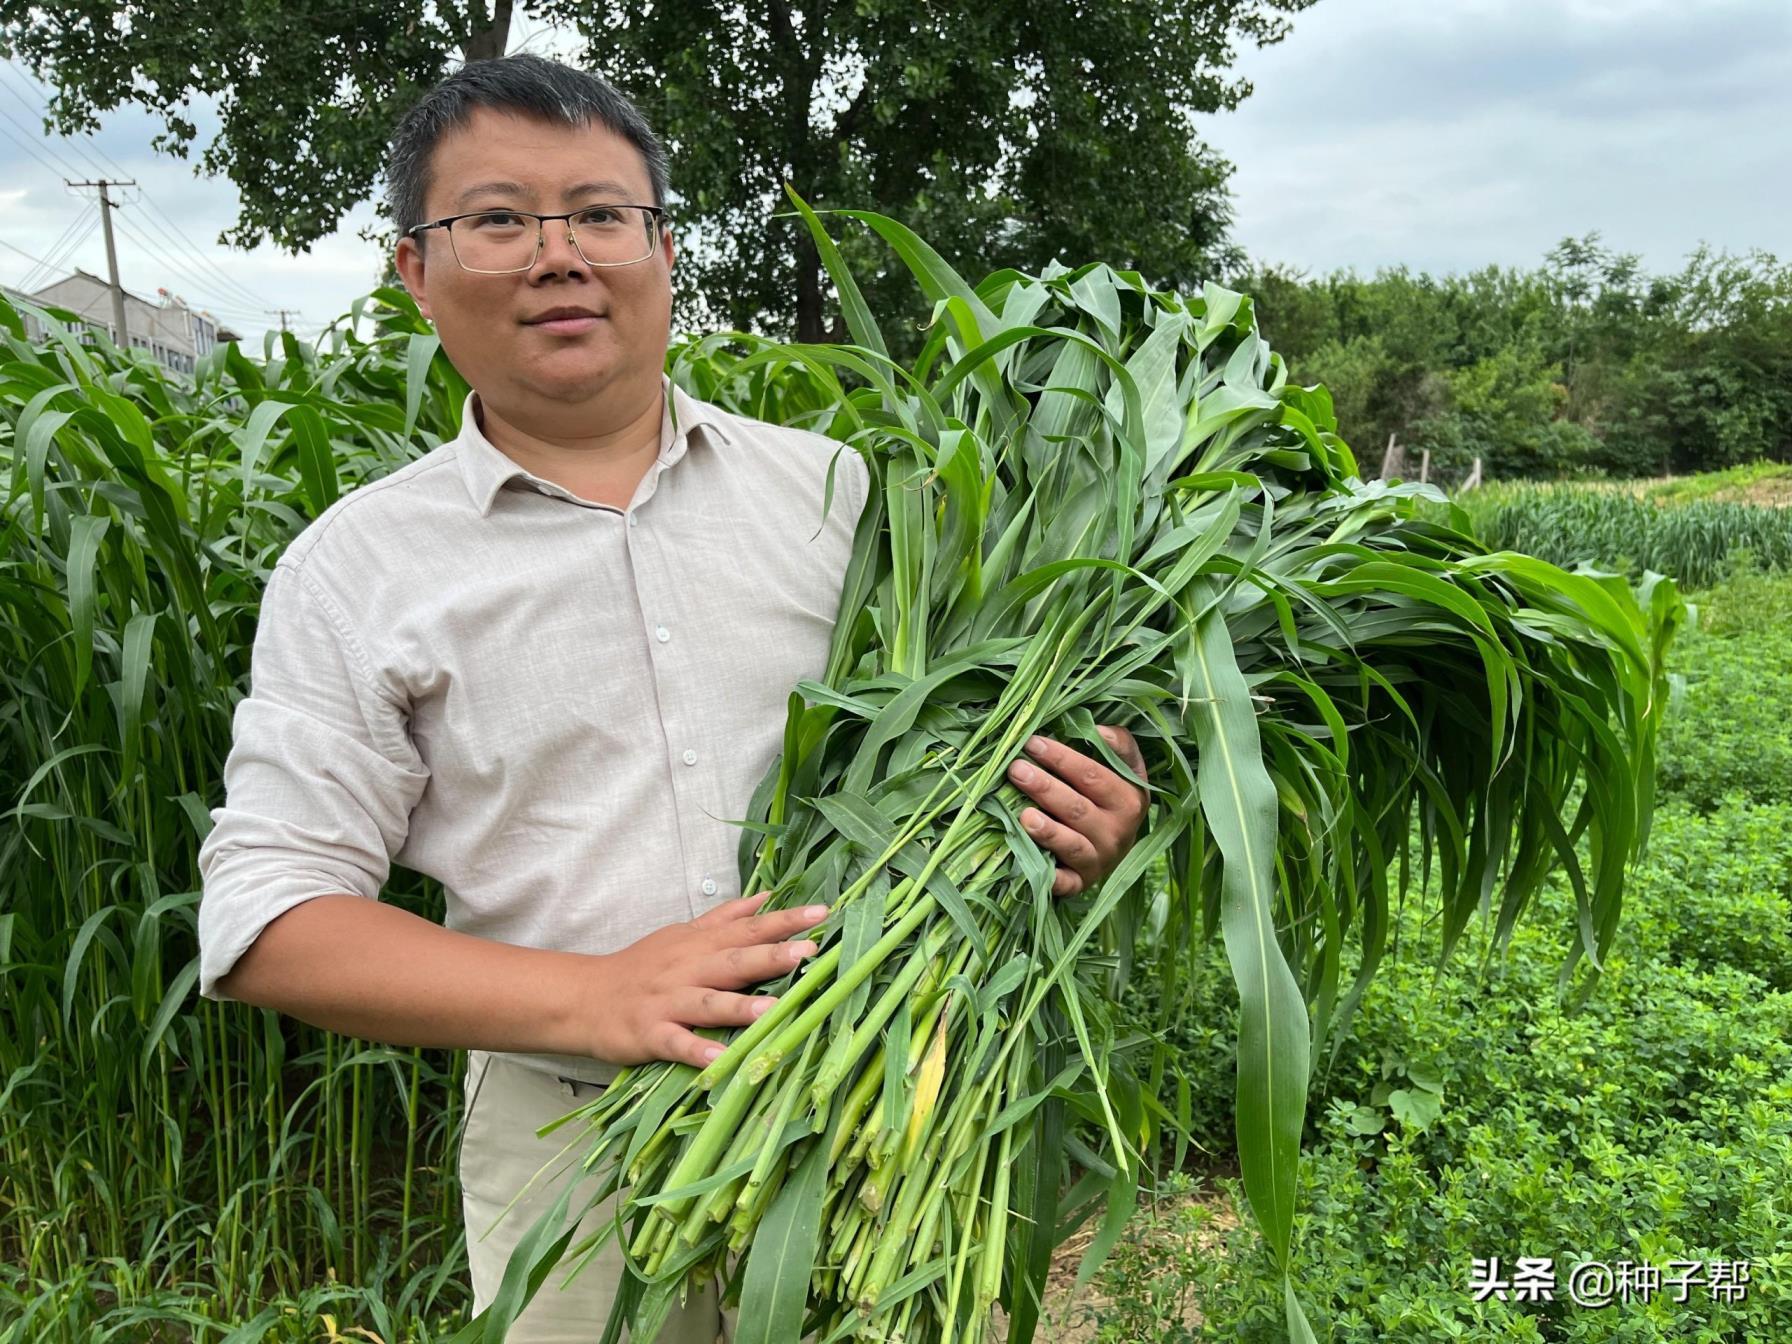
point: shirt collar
(485, 468)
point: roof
(103, 284)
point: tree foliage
(1008, 133)
(306, 90)
(1585, 363)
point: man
(541, 664)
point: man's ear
(410, 263)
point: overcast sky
(1442, 135)
(1447, 134)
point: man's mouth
(565, 323)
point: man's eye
(598, 216)
(498, 219)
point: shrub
(1654, 1125)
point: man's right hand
(645, 1000)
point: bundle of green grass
(1092, 503)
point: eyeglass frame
(656, 213)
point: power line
(21, 251)
(236, 309)
(59, 260)
(63, 163)
(71, 238)
(179, 271)
(124, 228)
(247, 303)
(68, 230)
(220, 276)
(42, 162)
(249, 296)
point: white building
(176, 336)
(35, 331)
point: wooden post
(1390, 462)
(121, 337)
(1474, 477)
(1425, 467)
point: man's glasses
(501, 242)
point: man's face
(500, 160)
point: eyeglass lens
(500, 240)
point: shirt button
(690, 757)
(709, 886)
(662, 634)
(632, 520)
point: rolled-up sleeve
(319, 784)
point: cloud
(1448, 136)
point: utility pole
(284, 313)
(124, 336)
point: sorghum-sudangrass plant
(162, 1158)
(1658, 1125)
(1093, 503)
(1694, 541)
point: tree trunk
(488, 41)
(803, 54)
(808, 291)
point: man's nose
(558, 255)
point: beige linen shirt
(551, 705)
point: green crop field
(1469, 1117)
(176, 1169)
(1696, 528)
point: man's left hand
(1091, 815)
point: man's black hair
(529, 85)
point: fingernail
(1109, 735)
(1035, 745)
(1032, 821)
(762, 1006)
(712, 1054)
(815, 912)
(1020, 772)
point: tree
(307, 90)
(1007, 132)
(1587, 363)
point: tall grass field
(1687, 528)
(171, 1167)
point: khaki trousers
(500, 1151)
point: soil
(1074, 1317)
(1775, 491)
